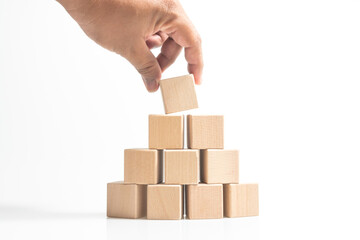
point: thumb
(146, 64)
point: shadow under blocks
(168, 181)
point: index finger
(186, 36)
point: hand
(132, 27)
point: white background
(284, 73)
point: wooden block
(178, 93)
(205, 132)
(204, 201)
(166, 132)
(182, 166)
(219, 166)
(142, 166)
(241, 200)
(165, 202)
(126, 200)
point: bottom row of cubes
(203, 201)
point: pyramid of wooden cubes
(168, 181)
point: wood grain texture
(166, 132)
(204, 201)
(165, 202)
(206, 131)
(126, 200)
(178, 94)
(182, 166)
(142, 166)
(241, 200)
(219, 166)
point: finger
(186, 36)
(156, 40)
(169, 52)
(146, 64)
(195, 63)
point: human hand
(132, 27)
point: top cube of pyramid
(178, 93)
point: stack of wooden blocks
(167, 181)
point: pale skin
(131, 28)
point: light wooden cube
(166, 132)
(219, 166)
(142, 166)
(178, 93)
(241, 200)
(126, 200)
(182, 166)
(204, 201)
(165, 202)
(205, 131)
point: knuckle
(195, 39)
(198, 39)
(146, 68)
(171, 9)
(170, 5)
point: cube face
(204, 201)
(182, 166)
(205, 132)
(126, 200)
(164, 202)
(219, 166)
(241, 200)
(166, 132)
(142, 166)
(178, 94)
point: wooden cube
(166, 132)
(126, 200)
(204, 201)
(182, 166)
(241, 200)
(219, 166)
(178, 93)
(142, 166)
(165, 202)
(205, 132)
